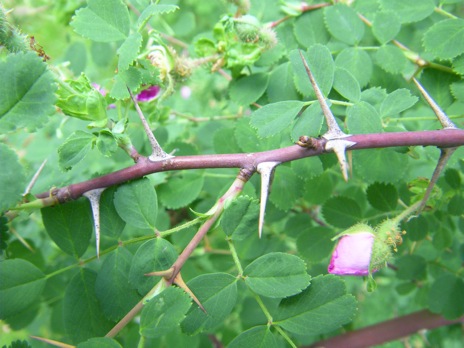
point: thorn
(53, 342)
(339, 146)
(445, 155)
(34, 178)
(334, 131)
(94, 198)
(158, 153)
(445, 121)
(165, 274)
(266, 169)
(181, 284)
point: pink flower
(148, 94)
(352, 255)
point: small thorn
(445, 121)
(94, 199)
(165, 274)
(53, 342)
(339, 146)
(445, 155)
(34, 178)
(266, 169)
(334, 130)
(181, 284)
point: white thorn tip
(266, 169)
(94, 199)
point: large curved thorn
(94, 199)
(266, 169)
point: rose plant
(241, 161)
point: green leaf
(106, 143)
(384, 165)
(112, 287)
(315, 244)
(246, 90)
(323, 307)
(249, 141)
(409, 10)
(163, 314)
(102, 20)
(416, 228)
(181, 190)
(280, 86)
(82, 315)
(12, 179)
(309, 29)
(453, 178)
(28, 98)
(69, 226)
(154, 9)
(319, 60)
(391, 59)
(344, 24)
(277, 275)
(307, 168)
(154, 255)
(129, 50)
(100, 342)
(357, 62)
(273, 118)
(341, 212)
(382, 196)
(137, 204)
(111, 224)
(217, 292)
(363, 118)
(309, 122)
(397, 102)
(131, 78)
(21, 286)
(445, 39)
(74, 149)
(258, 336)
(286, 188)
(240, 218)
(385, 26)
(456, 205)
(318, 188)
(445, 296)
(346, 84)
(411, 267)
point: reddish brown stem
(440, 138)
(387, 331)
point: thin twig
(34, 178)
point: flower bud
(148, 94)
(352, 255)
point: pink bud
(352, 255)
(148, 94)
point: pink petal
(352, 254)
(148, 94)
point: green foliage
(231, 80)
(28, 101)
